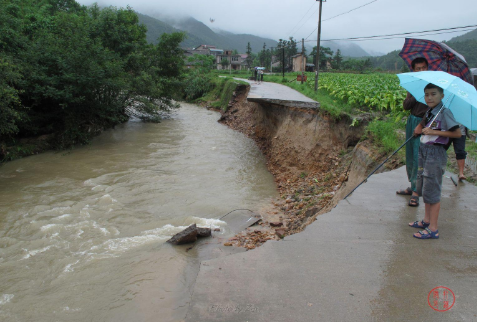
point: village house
(235, 61)
(299, 62)
(201, 50)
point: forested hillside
(68, 71)
(465, 45)
(197, 33)
(471, 35)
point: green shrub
(197, 85)
(386, 134)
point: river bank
(315, 161)
(83, 232)
(358, 261)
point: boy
(438, 126)
(417, 110)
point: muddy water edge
(82, 233)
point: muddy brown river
(82, 232)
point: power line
(364, 5)
(399, 35)
(307, 12)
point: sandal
(419, 224)
(414, 201)
(405, 192)
(429, 234)
(462, 178)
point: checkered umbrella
(439, 56)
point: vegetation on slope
(68, 71)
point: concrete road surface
(358, 262)
(278, 94)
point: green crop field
(379, 91)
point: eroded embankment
(315, 160)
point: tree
(249, 59)
(337, 60)
(204, 63)
(325, 56)
(264, 56)
(225, 63)
(73, 70)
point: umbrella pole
(379, 166)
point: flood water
(82, 232)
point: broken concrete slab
(188, 235)
(203, 232)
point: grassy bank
(221, 92)
(388, 121)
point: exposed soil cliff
(315, 160)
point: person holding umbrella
(438, 126)
(441, 57)
(417, 110)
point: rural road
(278, 94)
(358, 262)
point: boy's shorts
(432, 165)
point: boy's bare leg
(427, 213)
(431, 215)
(434, 215)
(461, 165)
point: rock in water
(203, 232)
(188, 235)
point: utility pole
(271, 59)
(303, 59)
(318, 47)
(283, 62)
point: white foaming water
(124, 244)
(60, 218)
(100, 187)
(50, 227)
(90, 183)
(92, 240)
(207, 222)
(5, 298)
(32, 253)
(106, 200)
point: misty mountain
(471, 35)
(199, 34)
(347, 49)
(155, 28)
(241, 40)
(465, 45)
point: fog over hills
(199, 33)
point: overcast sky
(299, 18)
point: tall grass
(221, 92)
